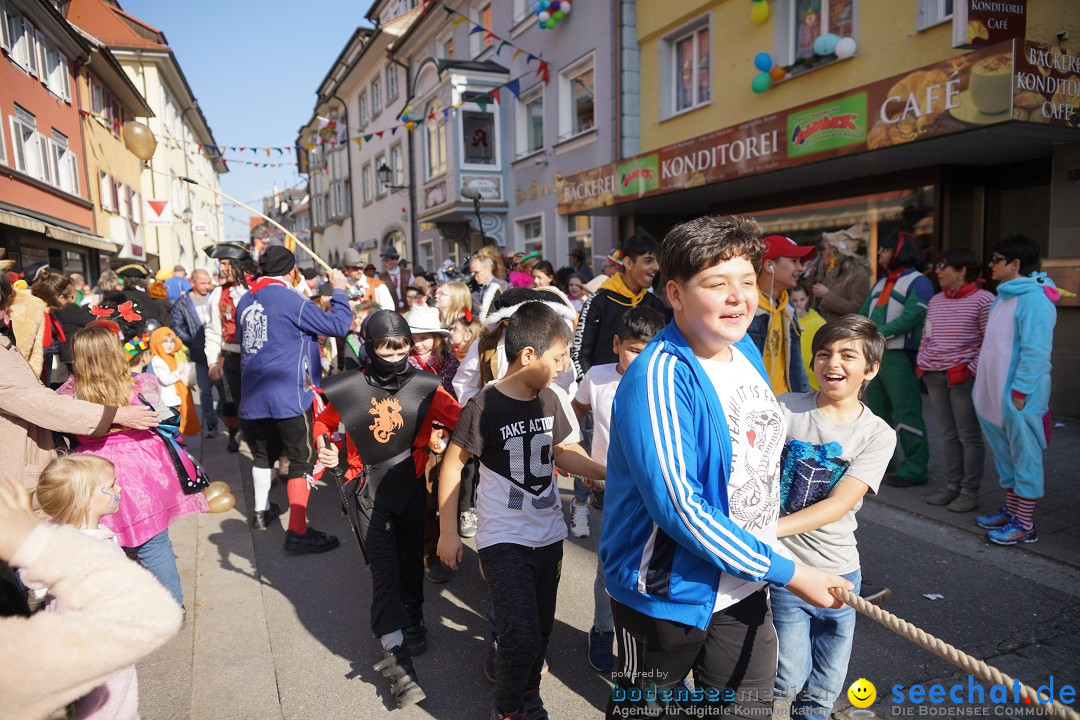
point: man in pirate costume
(222, 346)
(136, 279)
(387, 413)
(278, 332)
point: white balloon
(845, 48)
(565, 7)
(544, 16)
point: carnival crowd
(723, 403)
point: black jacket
(599, 323)
(72, 319)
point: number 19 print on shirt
(517, 500)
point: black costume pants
(394, 545)
(230, 377)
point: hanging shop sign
(158, 213)
(977, 23)
(1008, 82)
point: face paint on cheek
(115, 497)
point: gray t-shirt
(817, 454)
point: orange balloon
(222, 503)
(777, 73)
(216, 488)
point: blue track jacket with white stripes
(667, 535)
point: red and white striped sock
(1024, 508)
(1010, 502)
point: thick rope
(951, 654)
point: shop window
(686, 56)
(365, 182)
(576, 95)
(478, 138)
(531, 234)
(434, 142)
(799, 22)
(380, 189)
(530, 122)
(376, 98)
(579, 234)
(929, 13)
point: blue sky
(254, 67)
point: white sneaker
(579, 519)
(467, 524)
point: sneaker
(962, 504)
(489, 661)
(996, 519)
(1012, 533)
(396, 666)
(311, 541)
(416, 639)
(437, 573)
(600, 656)
(873, 593)
(261, 519)
(532, 708)
(942, 497)
(903, 482)
(467, 524)
(579, 519)
(211, 432)
(496, 714)
(234, 445)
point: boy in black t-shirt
(518, 429)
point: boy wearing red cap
(775, 329)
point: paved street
(271, 635)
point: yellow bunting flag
(459, 20)
(359, 141)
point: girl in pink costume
(152, 494)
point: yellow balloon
(216, 488)
(759, 13)
(139, 139)
(222, 503)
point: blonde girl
(463, 333)
(152, 494)
(452, 298)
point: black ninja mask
(381, 373)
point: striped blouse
(953, 332)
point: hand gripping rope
(951, 654)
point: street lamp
(470, 193)
(384, 172)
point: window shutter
(5, 37)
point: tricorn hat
(227, 251)
(137, 271)
(390, 252)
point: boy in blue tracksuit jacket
(278, 332)
(692, 496)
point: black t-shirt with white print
(517, 499)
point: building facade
(179, 217)
(911, 124)
(46, 213)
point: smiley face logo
(862, 693)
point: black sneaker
(261, 519)
(312, 541)
(873, 593)
(234, 445)
(532, 708)
(396, 666)
(416, 639)
(437, 573)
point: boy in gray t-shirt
(836, 451)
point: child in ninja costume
(387, 412)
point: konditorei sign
(977, 23)
(1013, 81)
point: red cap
(778, 246)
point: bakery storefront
(961, 153)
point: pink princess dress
(151, 494)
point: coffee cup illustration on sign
(991, 84)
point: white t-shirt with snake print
(756, 424)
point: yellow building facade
(108, 99)
(885, 31)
